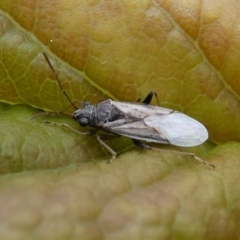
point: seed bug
(137, 121)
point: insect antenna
(56, 77)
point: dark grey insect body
(98, 115)
(138, 121)
(142, 122)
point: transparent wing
(179, 129)
(156, 124)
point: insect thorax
(97, 115)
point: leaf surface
(55, 183)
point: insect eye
(86, 104)
(83, 122)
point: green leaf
(27, 143)
(55, 184)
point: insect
(138, 121)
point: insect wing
(139, 111)
(157, 124)
(132, 125)
(179, 129)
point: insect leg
(141, 145)
(100, 138)
(197, 158)
(43, 114)
(149, 97)
(188, 154)
(89, 133)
